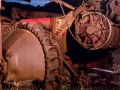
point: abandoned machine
(73, 50)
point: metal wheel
(93, 30)
(50, 53)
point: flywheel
(95, 31)
(31, 55)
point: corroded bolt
(57, 32)
(9, 55)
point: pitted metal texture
(52, 56)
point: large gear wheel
(52, 55)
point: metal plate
(25, 57)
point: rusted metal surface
(88, 5)
(0, 40)
(71, 69)
(44, 55)
(17, 51)
(60, 25)
(64, 4)
(17, 13)
(6, 23)
(46, 23)
(1, 7)
(0, 50)
(95, 31)
(33, 43)
(114, 6)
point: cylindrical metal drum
(95, 31)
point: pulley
(95, 31)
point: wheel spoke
(93, 29)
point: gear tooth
(4, 32)
(40, 26)
(23, 23)
(38, 35)
(30, 26)
(35, 30)
(49, 46)
(48, 42)
(35, 33)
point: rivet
(9, 55)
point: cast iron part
(31, 54)
(95, 31)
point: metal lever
(64, 4)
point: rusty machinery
(32, 49)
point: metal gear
(51, 50)
(95, 31)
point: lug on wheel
(51, 54)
